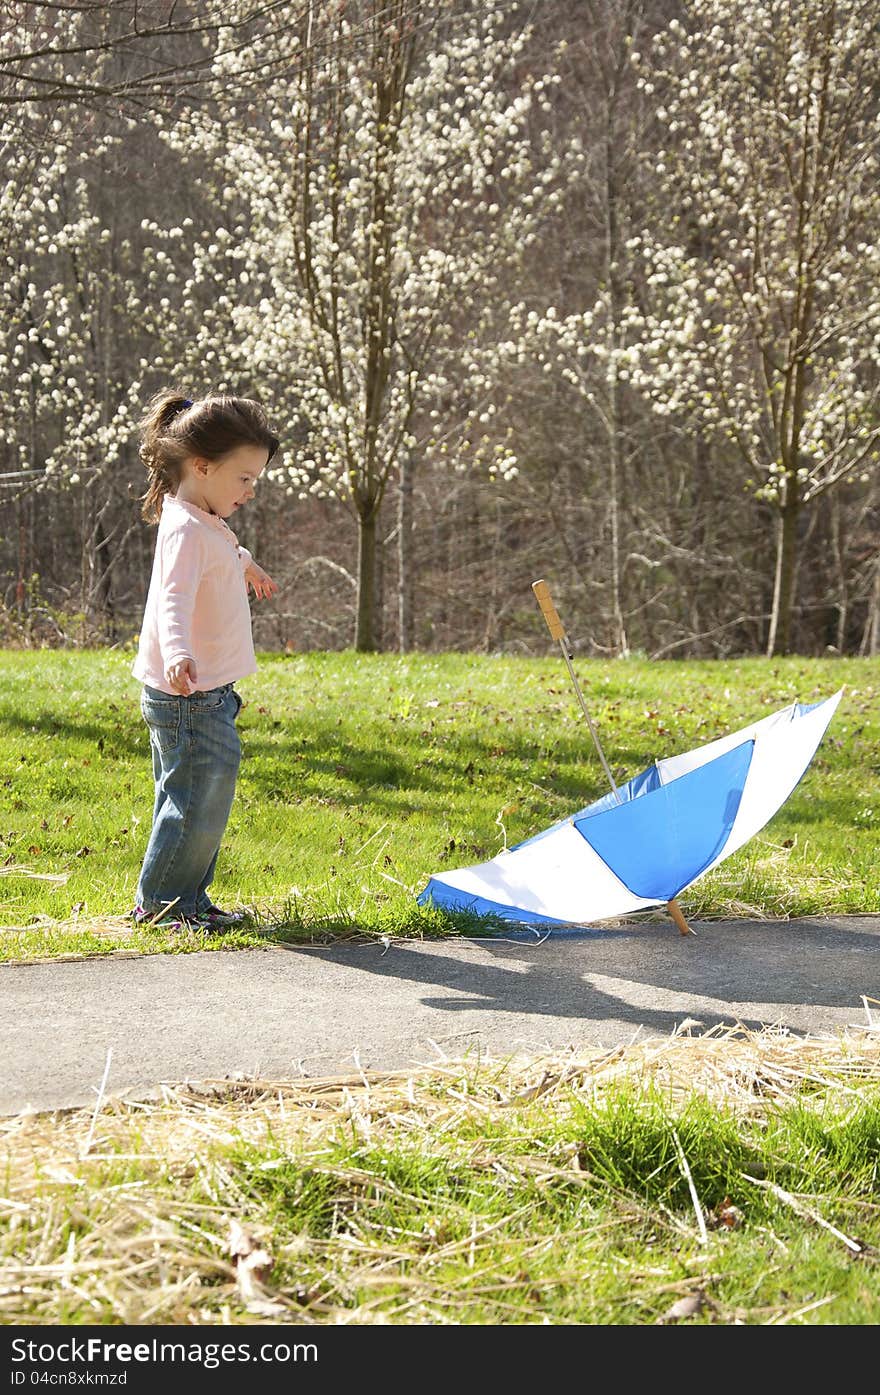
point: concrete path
(282, 1013)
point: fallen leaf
(252, 1264)
(726, 1214)
(685, 1308)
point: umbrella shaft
(593, 732)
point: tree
(75, 80)
(584, 348)
(764, 322)
(68, 396)
(56, 54)
(375, 206)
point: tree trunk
(105, 601)
(615, 337)
(615, 472)
(365, 634)
(842, 604)
(870, 645)
(779, 640)
(379, 585)
(404, 555)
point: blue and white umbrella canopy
(670, 825)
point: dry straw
(132, 1212)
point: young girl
(204, 459)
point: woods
(584, 289)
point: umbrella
(649, 839)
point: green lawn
(710, 1180)
(363, 774)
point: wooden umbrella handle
(548, 609)
(554, 624)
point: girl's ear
(200, 465)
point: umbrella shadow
(646, 975)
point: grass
(730, 1178)
(363, 774)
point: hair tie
(187, 402)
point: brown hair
(173, 428)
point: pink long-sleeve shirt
(197, 605)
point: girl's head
(212, 436)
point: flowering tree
(57, 302)
(764, 322)
(67, 396)
(374, 207)
(70, 78)
(57, 54)
(582, 349)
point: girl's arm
(182, 563)
(261, 582)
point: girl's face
(226, 484)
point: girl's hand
(261, 581)
(182, 677)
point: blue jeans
(196, 755)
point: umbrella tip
(674, 910)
